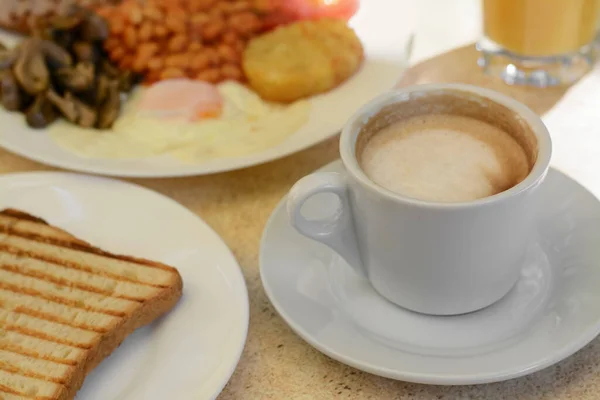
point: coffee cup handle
(335, 231)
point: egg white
(247, 125)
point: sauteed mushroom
(94, 28)
(67, 22)
(127, 81)
(30, 68)
(86, 52)
(73, 109)
(56, 56)
(41, 113)
(78, 78)
(63, 70)
(109, 110)
(8, 57)
(103, 86)
(12, 98)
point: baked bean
(117, 53)
(177, 61)
(212, 55)
(146, 51)
(199, 19)
(153, 13)
(139, 65)
(211, 75)
(212, 29)
(231, 71)
(155, 64)
(175, 25)
(194, 46)
(263, 6)
(126, 62)
(171, 73)
(227, 53)
(245, 23)
(111, 44)
(117, 25)
(146, 31)
(200, 39)
(177, 43)
(230, 37)
(135, 15)
(200, 61)
(201, 5)
(177, 13)
(160, 31)
(216, 12)
(130, 37)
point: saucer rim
(432, 379)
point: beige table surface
(277, 364)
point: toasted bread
(66, 305)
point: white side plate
(191, 352)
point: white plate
(553, 311)
(190, 353)
(385, 29)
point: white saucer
(552, 312)
(192, 351)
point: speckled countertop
(277, 364)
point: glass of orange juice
(539, 42)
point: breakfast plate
(385, 30)
(192, 351)
(552, 312)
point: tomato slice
(315, 9)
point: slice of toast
(66, 305)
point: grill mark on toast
(70, 264)
(48, 309)
(67, 302)
(44, 336)
(37, 348)
(14, 370)
(58, 319)
(46, 328)
(19, 269)
(35, 367)
(11, 396)
(6, 389)
(63, 282)
(33, 354)
(16, 216)
(51, 318)
(13, 237)
(39, 389)
(68, 276)
(77, 303)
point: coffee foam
(446, 147)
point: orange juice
(541, 27)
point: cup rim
(352, 128)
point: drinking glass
(539, 42)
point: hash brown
(302, 59)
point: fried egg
(246, 124)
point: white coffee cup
(434, 258)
